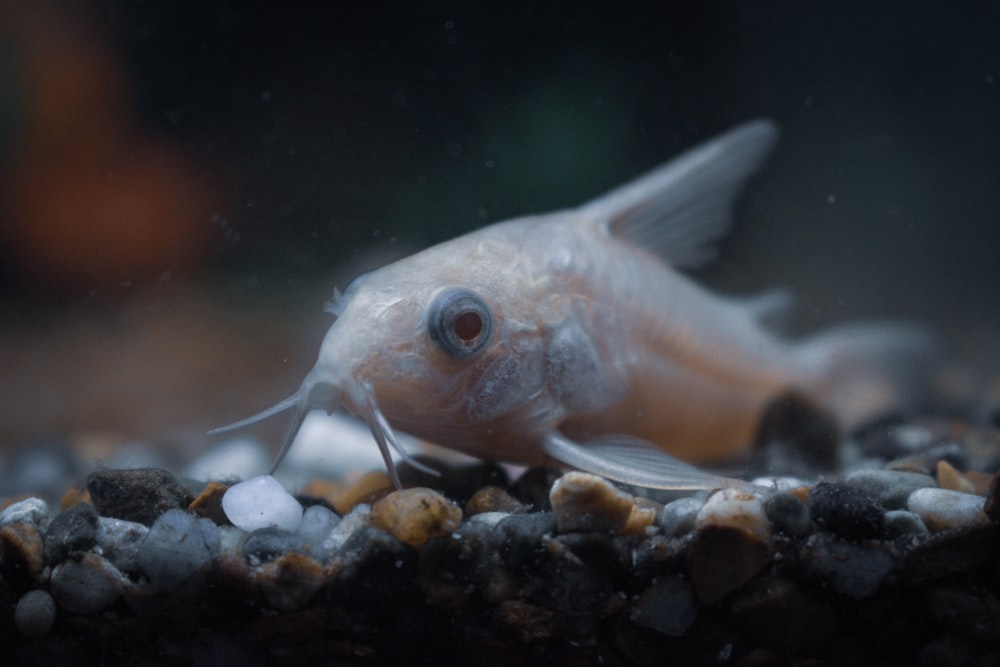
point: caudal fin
(864, 370)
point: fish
(575, 338)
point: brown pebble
(74, 496)
(22, 548)
(414, 516)
(369, 488)
(323, 489)
(950, 478)
(640, 518)
(290, 582)
(980, 481)
(530, 622)
(492, 499)
(209, 503)
(585, 502)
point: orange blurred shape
(88, 202)
(137, 213)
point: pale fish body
(571, 336)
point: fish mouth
(355, 397)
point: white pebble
(942, 508)
(735, 508)
(261, 502)
(32, 510)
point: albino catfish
(571, 337)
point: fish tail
(869, 369)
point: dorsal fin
(681, 209)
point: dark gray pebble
(972, 612)
(788, 514)
(35, 614)
(677, 517)
(119, 541)
(265, 544)
(854, 570)
(520, 536)
(453, 567)
(140, 495)
(781, 613)
(905, 528)
(177, 546)
(948, 554)
(667, 606)
(85, 583)
(72, 530)
(846, 510)
(890, 487)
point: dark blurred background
(182, 183)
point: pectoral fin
(633, 461)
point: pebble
(86, 583)
(854, 570)
(35, 614)
(732, 543)
(266, 544)
(32, 510)
(177, 546)
(289, 582)
(317, 524)
(72, 530)
(492, 499)
(358, 518)
(788, 514)
(941, 509)
(23, 552)
(366, 490)
(208, 503)
(905, 528)
(950, 478)
(846, 510)
(261, 502)
(414, 516)
(585, 502)
(119, 541)
(667, 606)
(140, 495)
(890, 487)
(678, 517)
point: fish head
(434, 347)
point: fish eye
(459, 322)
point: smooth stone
(359, 517)
(317, 524)
(846, 510)
(854, 570)
(119, 541)
(941, 509)
(492, 499)
(266, 544)
(414, 516)
(678, 517)
(261, 502)
(35, 614)
(208, 503)
(72, 530)
(905, 528)
(950, 478)
(890, 487)
(585, 502)
(667, 606)
(177, 546)
(32, 510)
(788, 514)
(86, 583)
(732, 543)
(22, 550)
(139, 495)
(289, 582)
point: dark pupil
(468, 325)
